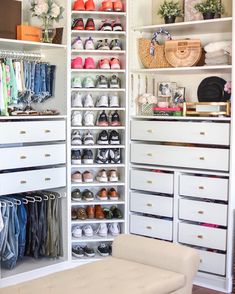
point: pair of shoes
(79, 213)
(78, 231)
(77, 139)
(86, 157)
(79, 252)
(107, 101)
(103, 82)
(78, 82)
(77, 100)
(104, 229)
(111, 25)
(113, 63)
(86, 177)
(77, 44)
(112, 138)
(77, 63)
(96, 212)
(104, 249)
(80, 5)
(106, 156)
(104, 177)
(105, 194)
(87, 119)
(103, 121)
(78, 24)
(113, 213)
(86, 195)
(109, 5)
(104, 45)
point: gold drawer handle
(149, 182)
(200, 212)
(23, 182)
(47, 131)
(23, 157)
(149, 204)
(22, 132)
(200, 237)
(201, 261)
(201, 188)
(149, 227)
(47, 155)
(150, 131)
(202, 133)
(202, 158)
(47, 179)
(150, 154)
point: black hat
(211, 89)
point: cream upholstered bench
(138, 265)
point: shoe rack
(96, 92)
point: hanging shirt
(2, 104)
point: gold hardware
(201, 187)
(150, 131)
(23, 182)
(47, 155)
(202, 133)
(23, 157)
(200, 260)
(202, 158)
(22, 132)
(47, 179)
(149, 204)
(149, 182)
(149, 227)
(150, 154)
(201, 212)
(47, 131)
(200, 237)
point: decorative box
(29, 33)
(167, 111)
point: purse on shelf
(183, 53)
(151, 53)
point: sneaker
(88, 139)
(76, 157)
(113, 100)
(99, 212)
(76, 63)
(102, 101)
(89, 63)
(87, 156)
(115, 63)
(113, 176)
(102, 45)
(114, 138)
(77, 118)
(77, 232)
(115, 82)
(89, 119)
(87, 195)
(77, 178)
(113, 195)
(102, 120)
(108, 213)
(114, 229)
(104, 63)
(102, 82)
(77, 44)
(78, 24)
(118, 6)
(115, 119)
(106, 25)
(117, 26)
(90, 25)
(89, 44)
(76, 99)
(76, 194)
(116, 211)
(102, 176)
(103, 249)
(88, 101)
(79, 5)
(116, 44)
(88, 82)
(102, 194)
(76, 82)
(90, 210)
(74, 215)
(76, 138)
(87, 177)
(103, 138)
(88, 230)
(115, 156)
(102, 230)
(90, 5)
(77, 251)
(102, 156)
(89, 251)
(106, 5)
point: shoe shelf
(97, 146)
(87, 259)
(97, 52)
(99, 202)
(102, 14)
(99, 33)
(97, 71)
(98, 108)
(97, 221)
(97, 184)
(98, 128)
(98, 90)
(98, 165)
(94, 238)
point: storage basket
(183, 53)
(146, 109)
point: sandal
(81, 213)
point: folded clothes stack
(218, 53)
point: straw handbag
(152, 55)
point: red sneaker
(115, 63)
(79, 5)
(76, 63)
(90, 25)
(78, 24)
(106, 5)
(104, 63)
(90, 5)
(89, 63)
(117, 5)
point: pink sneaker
(89, 63)
(76, 63)
(115, 63)
(104, 63)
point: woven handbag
(152, 55)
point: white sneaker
(114, 229)
(102, 230)
(88, 139)
(88, 230)
(89, 119)
(102, 101)
(76, 138)
(76, 82)
(89, 44)
(77, 232)
(114, 101)
(77, 44)
(88, 101)
(77, 118)
(76, 99)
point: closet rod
(20, 55)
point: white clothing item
(2, 104)
(215, 46)
(1, 221)
(18, 76)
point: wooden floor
(200, 290)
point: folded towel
(218, 60)
(218, 53)
(215, 46)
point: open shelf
(98, 165)
(186, 118)
(101, 33)
(98, 202)
(96, 14)
(97, 128)
(97, 221)
(97, 184)
(98, 90)
(33, 117)
(97, 71)
(97, 52)
(95, 238)
(98, 108)
(97, 146)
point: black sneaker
(115, 156)
(87, 156)
(102, 156)
(103, 249)
(76, 157)
(114, 82)
(87, 195)
(103, 138)
(90, 252)
(116, 212)
(102, 82)
(115, 119)
(110, 248)
(77, 251)
(107, 213)
(102, 45)
(102, 120)
(76, 195)
(114, 138)
(116, 45)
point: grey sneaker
(114, 82)
(76, 195)
(76, 138)
(88, 139)
(102, 82)
(88, 82)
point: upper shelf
(97, 14)
(218, 25)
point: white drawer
(31, 156)
(32, 180)
(187, 132)
(189, 157)
(212, 262)
(32, 131)
(202, 236)
(204, 187)
(151, 204)
(199, 211)
(151, 227)
(152, 181)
